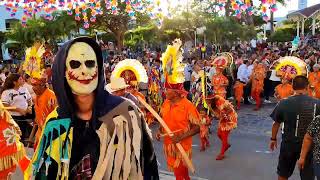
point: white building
(6, 22)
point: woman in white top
(14, 95)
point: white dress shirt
(250, 69)
(243, 73)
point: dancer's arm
(195, 129)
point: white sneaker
(267, 101)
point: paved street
(248, 159)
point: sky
(292, 5)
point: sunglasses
(74, 64)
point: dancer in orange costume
(178, 113)
(283, 90)
(314, 80)
(287, 68)
(44, 104)
(219, 81)
(12, 152)
(45, 101)
(134, 73)
(238, 92)
(204, 130)
(228, 119)
(257, 79)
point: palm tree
(282, 2)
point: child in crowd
(283, 90)
(238, 92)
(204, 130)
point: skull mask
(82, 69)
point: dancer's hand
(176, 139)
(158, 134)
(273, 145)
(301, 163)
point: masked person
(178, 113)
(92, 134)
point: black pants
(187, 85)
(24, 126)
(269, 87)
(289, 155)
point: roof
(306, 13)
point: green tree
(282, 2)
(118, 24)
(40, 29)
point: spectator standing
(187, 74)
(243, 76)
(296, 113)
(311, 138)
(14, 95)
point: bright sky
(292, 5)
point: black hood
(104, 102)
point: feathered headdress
(32, 63)
(289, 67)
(132, 71)
(172, 66)
(223, 60)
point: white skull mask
(82, 69)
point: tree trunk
(228, 8)
(271, 22)
(120, 40)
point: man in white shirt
(243, 72)
(243, 75)
(253, 43)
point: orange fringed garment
(283, 91)
(204, 127)
(238, 90)
(228, 118)
(178, 117)
(44, 105)
(258, 75)
(11, 149)
(314, 79)
(219, 83)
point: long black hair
(9, 82)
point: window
(10, 23)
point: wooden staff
(169, 132)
